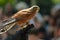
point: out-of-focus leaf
(56, 1)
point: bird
(21, 17)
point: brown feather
(26, 14)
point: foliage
(3, 2)
(56, 1)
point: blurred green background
(45, 5)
